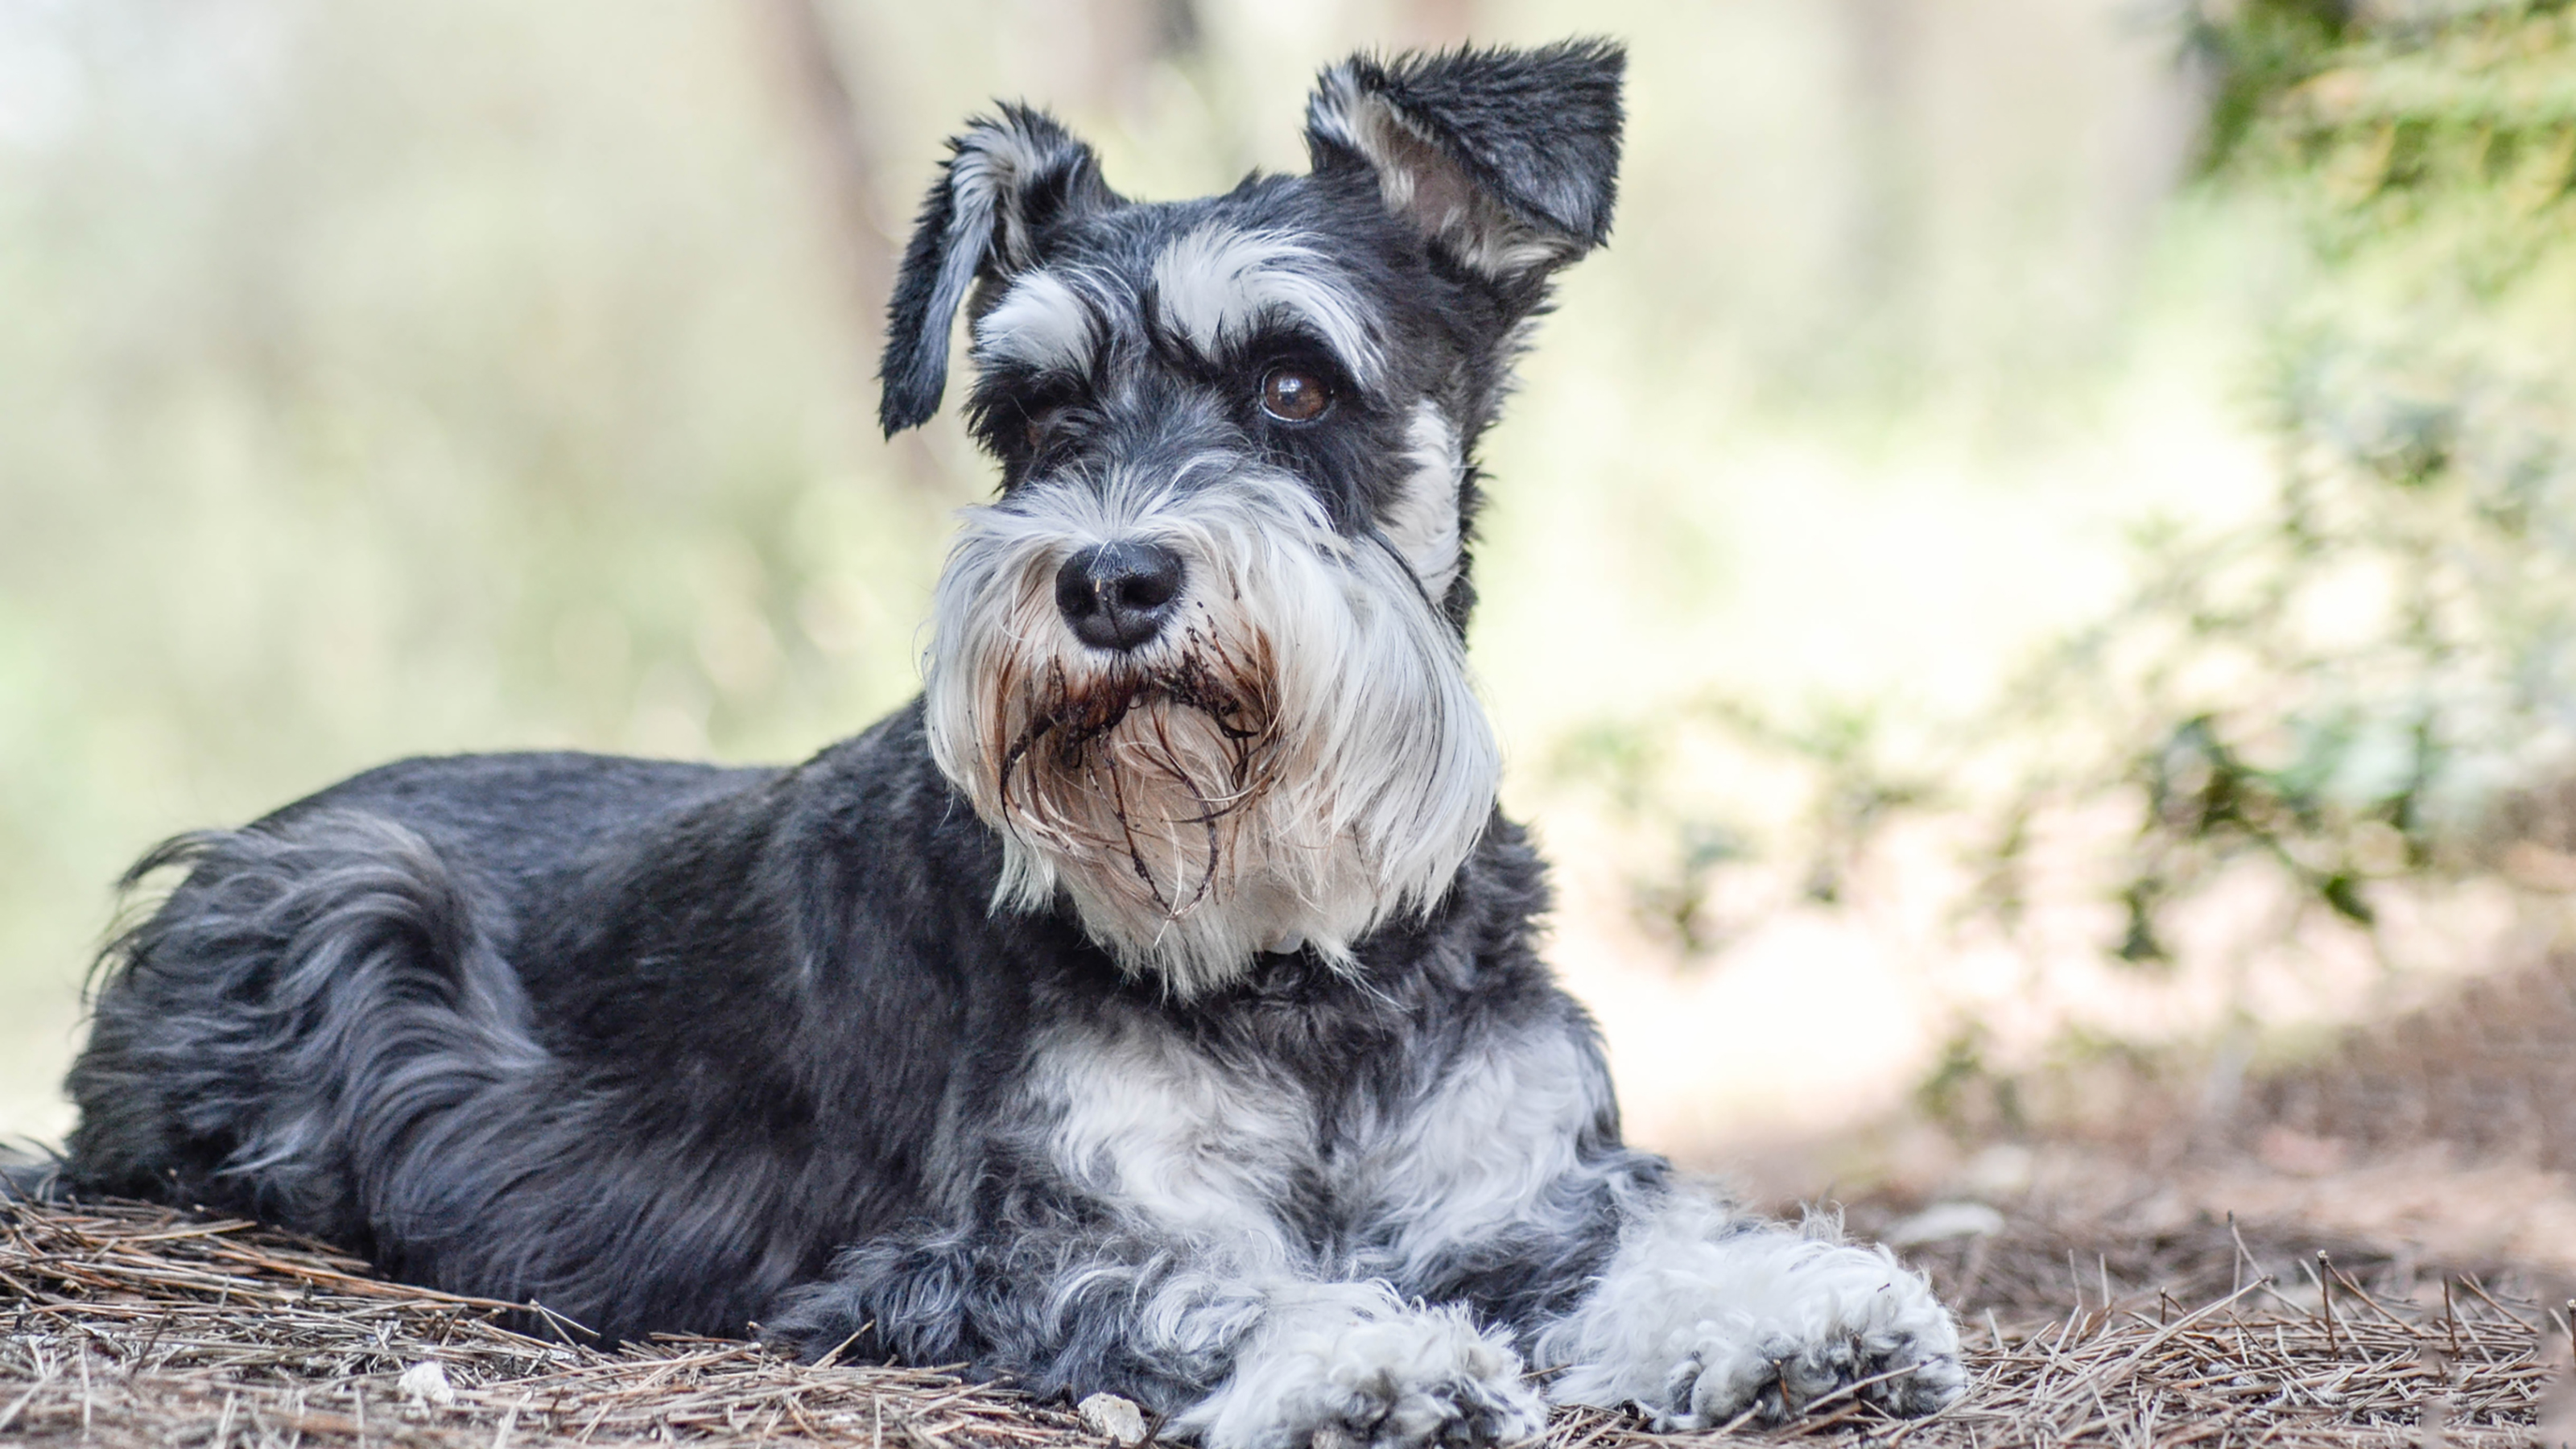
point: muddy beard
(1161, 769)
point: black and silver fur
(1152, 1006)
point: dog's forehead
(1276, 254)
(1134, 234)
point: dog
(1151, 1006)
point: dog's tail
(313, 1006)
(30, 1173)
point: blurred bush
(2370, 682)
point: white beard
(1295, 758)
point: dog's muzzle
(1204, 718)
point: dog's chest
(1152, 1128)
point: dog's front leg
(1506, 1187)
(1234, 1347)
(1348, 1364)
(1703, 1316)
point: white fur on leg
(1350, 1366)
(1701, 1316)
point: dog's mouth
(1153, 763)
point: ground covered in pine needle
(128, 1326)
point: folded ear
(1506, 159)
(1008, 182)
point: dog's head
(1201, 665)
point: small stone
(425, 1382)
(1945, 1220)
(1113, 1418)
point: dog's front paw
(1425, 1381)
(1699, 1331)
(1422, 1378)
(1901, 1357)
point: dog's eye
(1293, 395)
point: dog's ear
(1506, 159)
(1008, 182)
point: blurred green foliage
(2254, 51)
(2371, 679)
(2353, 683)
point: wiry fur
(1508, 160)
(1157, 1015)
(1219, 288)
(1197, 801)
(1423, 522)
(1007, 183)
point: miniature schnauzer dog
(1151, 1006)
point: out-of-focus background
(2027, 591)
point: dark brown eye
(1293, 396)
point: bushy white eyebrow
(1042, 322)
(1216, 285)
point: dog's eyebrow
(1217, 285)
(1042, 322)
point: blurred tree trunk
(837, 132)
(830, 114)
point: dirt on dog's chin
(1173, 814)
(1146, 782)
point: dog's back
(499, 1022)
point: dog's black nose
(1117, 596)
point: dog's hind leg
(29, 1176)
(287, 1033)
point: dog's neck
(1288, 902)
